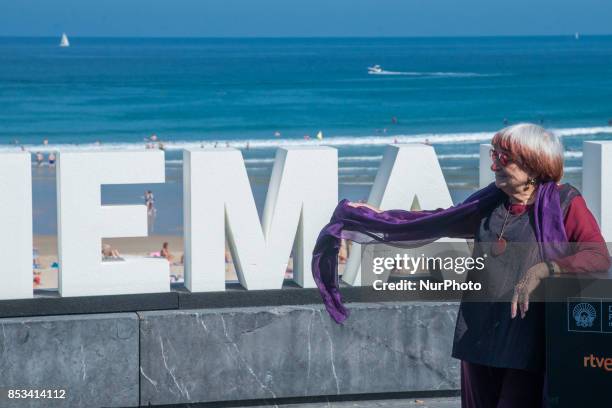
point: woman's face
(510, 176)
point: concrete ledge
(94, 358)
(49, 302)
(291, 351)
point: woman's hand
(528, 283)
(357, 205)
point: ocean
(258, 94)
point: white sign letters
(219, 206)
(83, 221)
(16, 221)
(218, 202)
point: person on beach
(149, 198)
(165, 252)
(151, 213)
(526, 226)
(39, 159)
(36, 264)
(110, 253)
(343, 253)
(51, 159)
(150, 203)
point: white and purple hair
(534, 148)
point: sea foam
(335, 141)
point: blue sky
(287, 18)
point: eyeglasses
(501, 157)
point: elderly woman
(527, 227)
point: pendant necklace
(499, 246)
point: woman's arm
(366, 205)
(591, 253)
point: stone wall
(180, 356)
(94, 358)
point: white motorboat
(376, 69)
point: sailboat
(320, 135)
(64, 42)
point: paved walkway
(453, 402)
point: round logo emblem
(584, 314)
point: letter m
(219, 204)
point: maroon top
(591, 253)
(485, 332)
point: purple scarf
(363, 225)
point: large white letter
(409, 177)
(302, 194)
(597, 183)
(485, 174)
(83, 221)
(16, 222)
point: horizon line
(310, 37)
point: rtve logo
(604, 363)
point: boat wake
(433, 74)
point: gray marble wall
(291, 351)
(93, 358)
(178, 356)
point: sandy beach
(46, 245)
(47, 249)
